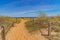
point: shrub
(37, 24)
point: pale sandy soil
(19, 32)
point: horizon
(29, 8)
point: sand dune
(19, 32)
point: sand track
(21, 33)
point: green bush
(34, 25)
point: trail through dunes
(19, 32)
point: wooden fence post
(49, 30)
(16, 20)
(3, 33)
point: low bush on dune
(37, 24)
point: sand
(19, 32)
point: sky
(29, 8)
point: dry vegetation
(35, 24)
(42, 23)
(8, 22)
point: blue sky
(29, 8)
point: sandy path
(20, 33)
